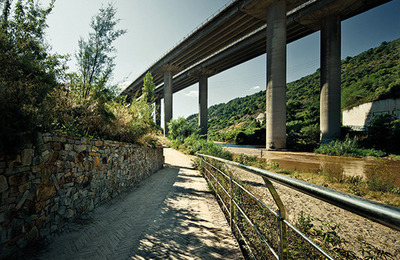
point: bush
(113, 119)
(179, 128)
(347, 147)
(383, 133)
(194, 144)
(302, 135)
(241, 138)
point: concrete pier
(276, 75)
(203, 96)
(330, 112)
(167, 100)
(158, 112)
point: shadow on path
(171, 214)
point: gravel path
(170, 215)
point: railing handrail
(381, 213)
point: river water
(310, 162)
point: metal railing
(386, 215)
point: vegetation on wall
(38, 94)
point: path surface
(170, 215)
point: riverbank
(371, 178)
(312, 162)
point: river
(311, 162)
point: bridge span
(244, 30)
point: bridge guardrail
(386, 215)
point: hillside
(371, 75)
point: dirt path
(170, 215)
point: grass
(347, 147)
(194, 144)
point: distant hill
(371, 75)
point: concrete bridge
(249, 28)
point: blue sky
(155, 26)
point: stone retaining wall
(46, 186)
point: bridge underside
(240, 33)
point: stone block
(19, 179)
(65, 201)
(23, 199)
(3, 183)
(41, 220)
(80, 148)
(97, 161)
(69, 147)
(69, 191)
(61, 210)
(33, 234)
(54, 156)
(56, 146)
(56, 139)
(46, 155)
(39, 206)
(37, 160)
(24, 187)
(46, 138)
(57, 219)
(69, 213)
(27, 156)
(45, 191)
(36, 168)
(54, 208)
(98, 143)
(71, 156)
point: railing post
(283, 243)
(231, 201)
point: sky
(155, 26)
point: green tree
(28, 72)
(148, 89)
(179, 128)
(95, 55)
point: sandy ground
(351, 225)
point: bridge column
(167, 100)
(330, 111)
(203, 90)
(158, 112)
(276, 75)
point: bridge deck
(172, 214)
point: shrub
(241, 138)
(179, 128)
(347, 147)
(114, 119)
(383, 133)
(194, 144)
